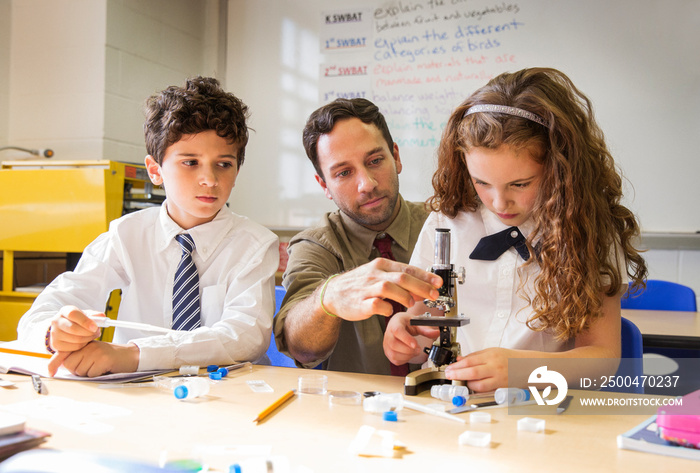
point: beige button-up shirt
(340, 244)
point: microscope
(445, 349)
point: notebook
(645, 438)
(31, 365)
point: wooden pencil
(12, 351)
(274, 406)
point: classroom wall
(80, 70)
(57, 76)
(5, 24)
(149, 46)
(273, 65)
(676, 265)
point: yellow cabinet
(59, 206)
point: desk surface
(312, 434)
(666, 328)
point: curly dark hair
(322, 121)
(200, 105)
(578, 215)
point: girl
(524, 159)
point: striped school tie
(186, 288)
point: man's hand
(366, 290)
(354, 295)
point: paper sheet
(30, 365)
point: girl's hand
(400, 344)
(484, 370)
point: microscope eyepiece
(442, 249)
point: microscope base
(421, 380)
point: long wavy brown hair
(578, 216)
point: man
(339, 289)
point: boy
(191, 264)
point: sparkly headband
(518, 112)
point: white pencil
(107, 322)
(421, 408)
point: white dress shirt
(236, 260)
(489, 296)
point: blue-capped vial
(223, 371)
(511, 396)
(189, 370)
(445, 392)
(192, 388)
(459, 401)
(261, 464)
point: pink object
(680, 424)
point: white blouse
(489, 296)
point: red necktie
(383, 244)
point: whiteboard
(636, 60)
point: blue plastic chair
(631, 361)
(277, 358)
(665, 295)
(661, 295)
(280, 291)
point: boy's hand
(400, 344)
(98, 358)
(72, 329)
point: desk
(667, 328)
(674, 335)
(313, 434)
